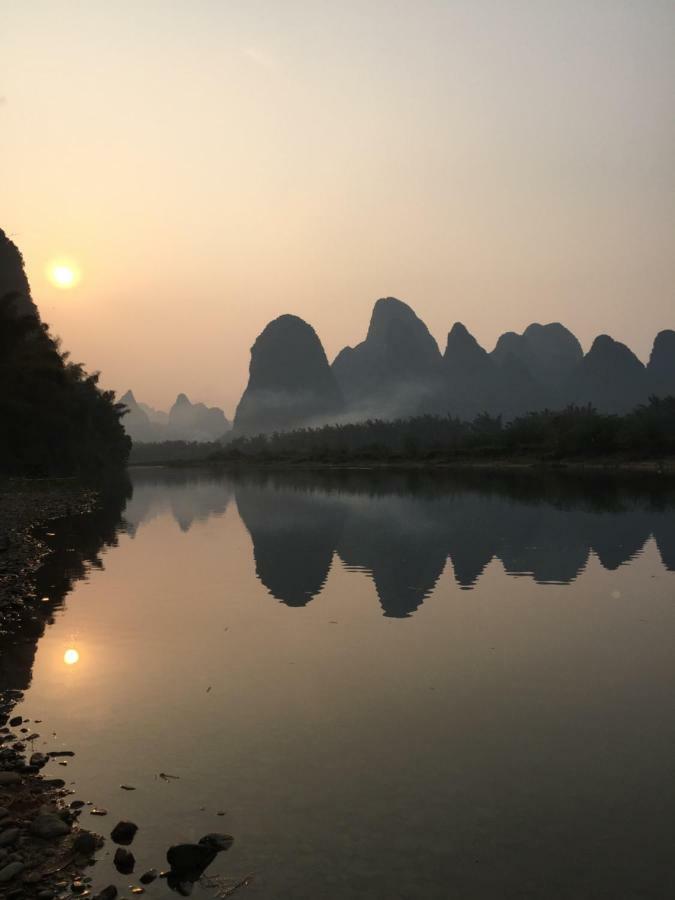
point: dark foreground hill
(54, 419)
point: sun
(63, 275)
(71, 656)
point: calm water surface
(392, 686)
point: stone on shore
(49, 826)
(11, 871)
(9, 778)
(123, 832)
(108, 893)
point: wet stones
(39, 760)
(49, 826)
(218, 841)
(9, 837)
(190, 858)
(7, 779)
(123, 832)
(189, 861)
(149, 876)
(108, 893)
(10, 871)
(85, 843)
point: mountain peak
(290, 382)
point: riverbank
(605, 465)
(25, 506)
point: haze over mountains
(399, 371)
(185, 421)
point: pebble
(108, 893)
(124, 832)
(49, 825)
(98, 811)
(149, 876)
(7, 778)
(10, 871)
(17, 720)
(9, 837)
(39, 759)
(85, 843)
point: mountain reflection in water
(503, 730)
(403, 528)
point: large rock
(49, 826)
(290, 382)
(9, 778)
(396, 371)
(610, 377)
(661, 365)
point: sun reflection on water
(71, 656)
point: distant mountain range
(399, 371)
(185, 421)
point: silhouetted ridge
(185, 421)
(471, 382)
(396, 370)
(13, 280)
(661, 365)
(290, 382)
(610, 377)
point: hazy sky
(210, 165)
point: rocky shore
(24, 507)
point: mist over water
(405, 685)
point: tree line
(574, 432)
(54, 418)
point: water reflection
(537, 527)
(406, 529)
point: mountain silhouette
(661, 365)
(396, 370)
(290, 382)
(550, 352)
(195, 421)
(610, 377)
(471, 377)
(185, 421)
